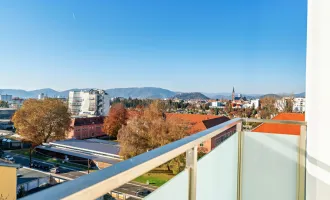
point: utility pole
(30, 156)
(88, 167)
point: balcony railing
(246, 166)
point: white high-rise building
(93, 102)
(299, 105)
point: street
(129, 189)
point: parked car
(40, 165)
(55, 170)
(35, 164)
(143, 193)
(9, 158)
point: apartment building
(299, 105)
(252, 103)
(89, 103)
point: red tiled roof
(199, 122)
(282, 128)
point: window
(201, 144)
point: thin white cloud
(73, 16)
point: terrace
(246, 166)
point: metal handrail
(96, 184)
(274, 121)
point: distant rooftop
(282, 128)
(5, 164)
(81, 154)
(27, 175)
(199, 122)
(11, 109)
(104, 147)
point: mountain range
(134, 92)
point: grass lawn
(155, 178)
(26, 152)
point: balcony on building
(246, 166)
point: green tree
(4, 104)
(21, 192)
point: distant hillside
(192, 95)
(271, 95)
(47, 91)
(16, 93)
(141, 93)
(33, 93)
(303, 94)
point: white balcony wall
(269, 166)
(317, 95)
(217, 172)
(216, 176)
(175, 189)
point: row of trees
(132, 103)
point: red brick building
(86, 127)
(203, 122)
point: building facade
(8, 180)
(252, 104)
(299, 105)
(5, 97)
(16, 103)
(7, 113)
(89, 103)
(86, 127)
(217, 104)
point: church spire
(233, 95)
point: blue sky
(258, 46)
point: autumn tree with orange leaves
(151, 130)
(39, 121)
(116, 118)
